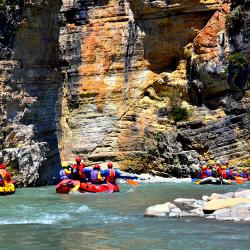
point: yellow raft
(7, 188)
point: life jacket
(5, 174)
(95, 176)
(111, 177)
(63, 174)
(245, 174)
(77, 171)
(205, 173)
(226, 174)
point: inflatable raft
(213, 180)
(103, 188)
(65, 186)
(7, 188)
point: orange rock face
(122, 51)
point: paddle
(75, 188)
(132, 182)
(239, 180)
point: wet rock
(236, 213)
(197, 212)
(175, 212)
(242, 194)
(160, 210)
(184, 201)
(217, 204)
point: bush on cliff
(238, 71)
(179, 113)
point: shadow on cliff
(36, 49)
(164, 33)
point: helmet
(97, 166)
(204, 167)
(224, 167)
(78, 159)
(110, 165)
(64, 165)
(3, 166)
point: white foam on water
(46, 219)
(147, 178)
(83, 208)
(114, 219)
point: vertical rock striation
(155, 85)
(29, 82)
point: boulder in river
(217, 204)
(160, 210)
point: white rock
(184, 201)
(159, 210)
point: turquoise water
(38, 218)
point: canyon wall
(153, 85)
(30, 80)
(127, 62)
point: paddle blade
(74, 189)
(132, 182)
(239, 180)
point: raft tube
(65, 186)
(102, 188)
(8, 188)
(214, 181)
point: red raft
(102, 188)
(65, 186)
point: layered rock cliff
(154, 85)
(29, 84)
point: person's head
(97, 167)
(78, 159)
(224, 167)
(204, 167)
(218, 163)
(110, 165)
(64, 165)
(3, 166)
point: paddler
(6, 175)
(111, 173)
(77, 170)
(96, 175)
(65, 172)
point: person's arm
(117, 173)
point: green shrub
(159, 136)
(238, 59)
(179, 113)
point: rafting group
(6, 183)
(88, 179)
(221, 172)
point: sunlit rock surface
(121, 62)
(98, 78)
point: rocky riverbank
(231, 206)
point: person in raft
(65, 172)
(77, 170)
(111, 173)
(226, 173)
(204, 173)
(96, 175)
(4, 174)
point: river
(39, 218)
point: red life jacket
(111, 177)
(204, 173)
(79, 168)
(224, 174)
(5, 174)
